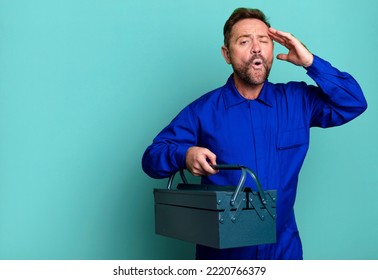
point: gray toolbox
(217, 216)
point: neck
(248, 91)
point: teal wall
(86, 85)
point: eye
(264, 40)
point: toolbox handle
(240, 185)
(170, 181)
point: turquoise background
(86, 85)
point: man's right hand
(198, 161)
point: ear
(226, 54)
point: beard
(251, 76)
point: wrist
(309, 62)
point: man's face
(250, 51)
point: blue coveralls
(270, 135)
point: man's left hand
(298, 54)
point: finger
(210, 160)
(196, 172)
(274, 34)
(198, 161)
(196, 169)
(278, 39)
(208, 169)
(211, 157)
(282, 56)
(284, 38)
(202, 169)
(280, 34)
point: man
(253, 122)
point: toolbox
(217, 216)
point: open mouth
(257, 63)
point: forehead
(249, 26)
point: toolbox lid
(209, 197)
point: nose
(256, 48)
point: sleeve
(338, 97)
(167, 153)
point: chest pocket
(292, 138)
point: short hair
(239, 14)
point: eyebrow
(249, 35)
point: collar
(232, 97)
